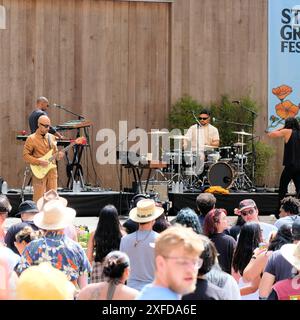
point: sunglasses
(45, 125)
(250, 212)
(200, 118)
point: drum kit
(218, 166)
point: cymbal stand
(242, 181)
(178, 174)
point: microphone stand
(253, 114)
(199, 124)
(80, 117)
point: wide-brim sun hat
(145, 211)
(44, 282)
(48, 196)
(55, 216)
(291, 252)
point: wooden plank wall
(106, 60)
(220, 47)
(117, 60)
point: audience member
(44, 282)
(116, 269)
(5, 208)
(25, 236)
(257, 264)
(26, 211)
(188, 218)
(139, 245)
(249, 239)
(289, 211)
(278, 268)
(161, 223)
(236, 228)
(55, 247)
(288, 289)
(103, 240)
(70, 231)
(177, 251)
(206, 290)
(249, 212)
(224, 280)
(8, 277)
(205, 202)
(215, 223)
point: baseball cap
(246, 204)
(27, 206)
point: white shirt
(200, 136)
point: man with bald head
(36, 146)
(42, 105)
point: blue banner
(284, 61)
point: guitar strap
(49, 141)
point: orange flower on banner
(286, 109)
(282, 91)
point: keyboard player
(42, 105)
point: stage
(88, 204)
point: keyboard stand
(76, 174)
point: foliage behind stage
(228, 116)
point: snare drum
(213, 157)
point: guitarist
(36, 146)
(290, 133)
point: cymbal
(158, 132)
(178, 137)
(243, 133)
(239, 144)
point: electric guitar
(40, 171)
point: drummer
(203, 132)
(201, 136)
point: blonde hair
(178, 236)
(27, 234)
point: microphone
(236, 101)
(56, 105)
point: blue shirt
(152, 292)
(61, 251)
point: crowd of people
(195, 256)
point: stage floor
(90, 203)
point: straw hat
(291, 252)
(50, 195)
(145, 211)
(44, 282)
(55, 216)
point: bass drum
(221, 174)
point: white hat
(50, 195)
(291, 252)
(55, 216)
(145, 211)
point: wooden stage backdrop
(126, 60)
